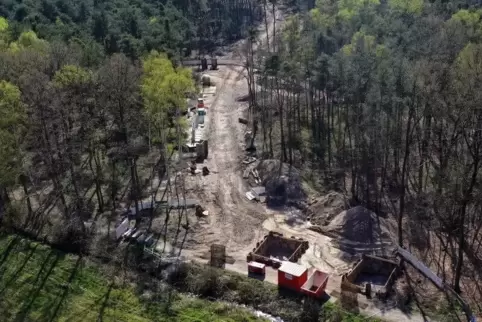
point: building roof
(292, 269)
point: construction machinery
(197, 145)
(206, 81)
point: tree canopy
(135, 27)
(12, 122)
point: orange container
(292, 276)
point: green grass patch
(228, 286)
(38, 283)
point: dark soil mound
(323, 209)
(282, 181)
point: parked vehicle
(136, 234)
(129, 233)
(141, 238)
(200, 102)
(149, 240)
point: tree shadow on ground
(19, 270)
(39, 281)
(106, 297)
(289, 294)
(105, 301)
(13, 242)
(476, 294)
(66, 288)
(311, 307)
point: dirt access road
(234, 221)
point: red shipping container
(292, 276)
(316, 284)
(256, 268)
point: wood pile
(255, 174)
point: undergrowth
(38, 283)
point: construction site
(275, 249)
(316, 151)
(242, 214)
(227, 221)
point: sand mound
(282, 181)
(359, 227)
(323, 209)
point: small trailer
(149, 241)
(315, 285)
(141, 238)
(129, 233)
(292, 276)
(256, 268)
(136, 235)
(121, 229)
(295, 277)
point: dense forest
(88, 87)
(135, 27)
(382, 99)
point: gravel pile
(359, 227)
(323, 209)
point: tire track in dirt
(236, 227)
(209, 195)
(233, 220)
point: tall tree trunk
(98, 186)
(4, 201)
(463, 209)
(266, 22)
(284, 157)
(408, 135)
(23, 181)
(274, 26)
